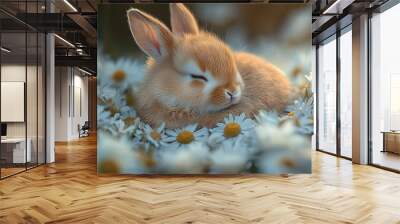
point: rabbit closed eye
(193, 76)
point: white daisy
(305, 125)
(232, 128)
(122, 72)
(107, 122)
(269, 117)
(184, 136)
(302, 107)
(188, 159)
(115, 155)
(114, 104)
(231, 157)
(139, 136)
(282, 149)
(302, 114)
(280, 137)
(283, 162)
(103, 115)
(127, 127)
(127, 112)
(154, 136)
(106, 91)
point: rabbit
(194, 77)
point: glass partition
(13, 109)
(327, 96)
(346, 93)
(31, 99)
(385, 89)
(22, 77)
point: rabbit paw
(180, 114)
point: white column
(50, 110)
(50, 92)
(360, 90)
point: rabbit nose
(232, 95)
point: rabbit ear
(182, 20)
(152, 36)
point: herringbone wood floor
(70, 191)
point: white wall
(80, 110)
(71, 94)
(16, 73)
(12, 73)
(61, 103)
(33, 126)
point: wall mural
(204, 88)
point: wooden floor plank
(69, 191)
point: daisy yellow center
(185, 137)
(155, 135)
(147, 158)
(232, 130)
(109, 166)
(113, 109)
(296, 121)
(289, 163)
(129, 120)
(118, 76)
(296, 71)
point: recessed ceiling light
(65, 41)
(337, 7)
(84, 71)
(5, 50)
(326, 11)
(70, 5)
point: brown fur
(265, 86)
